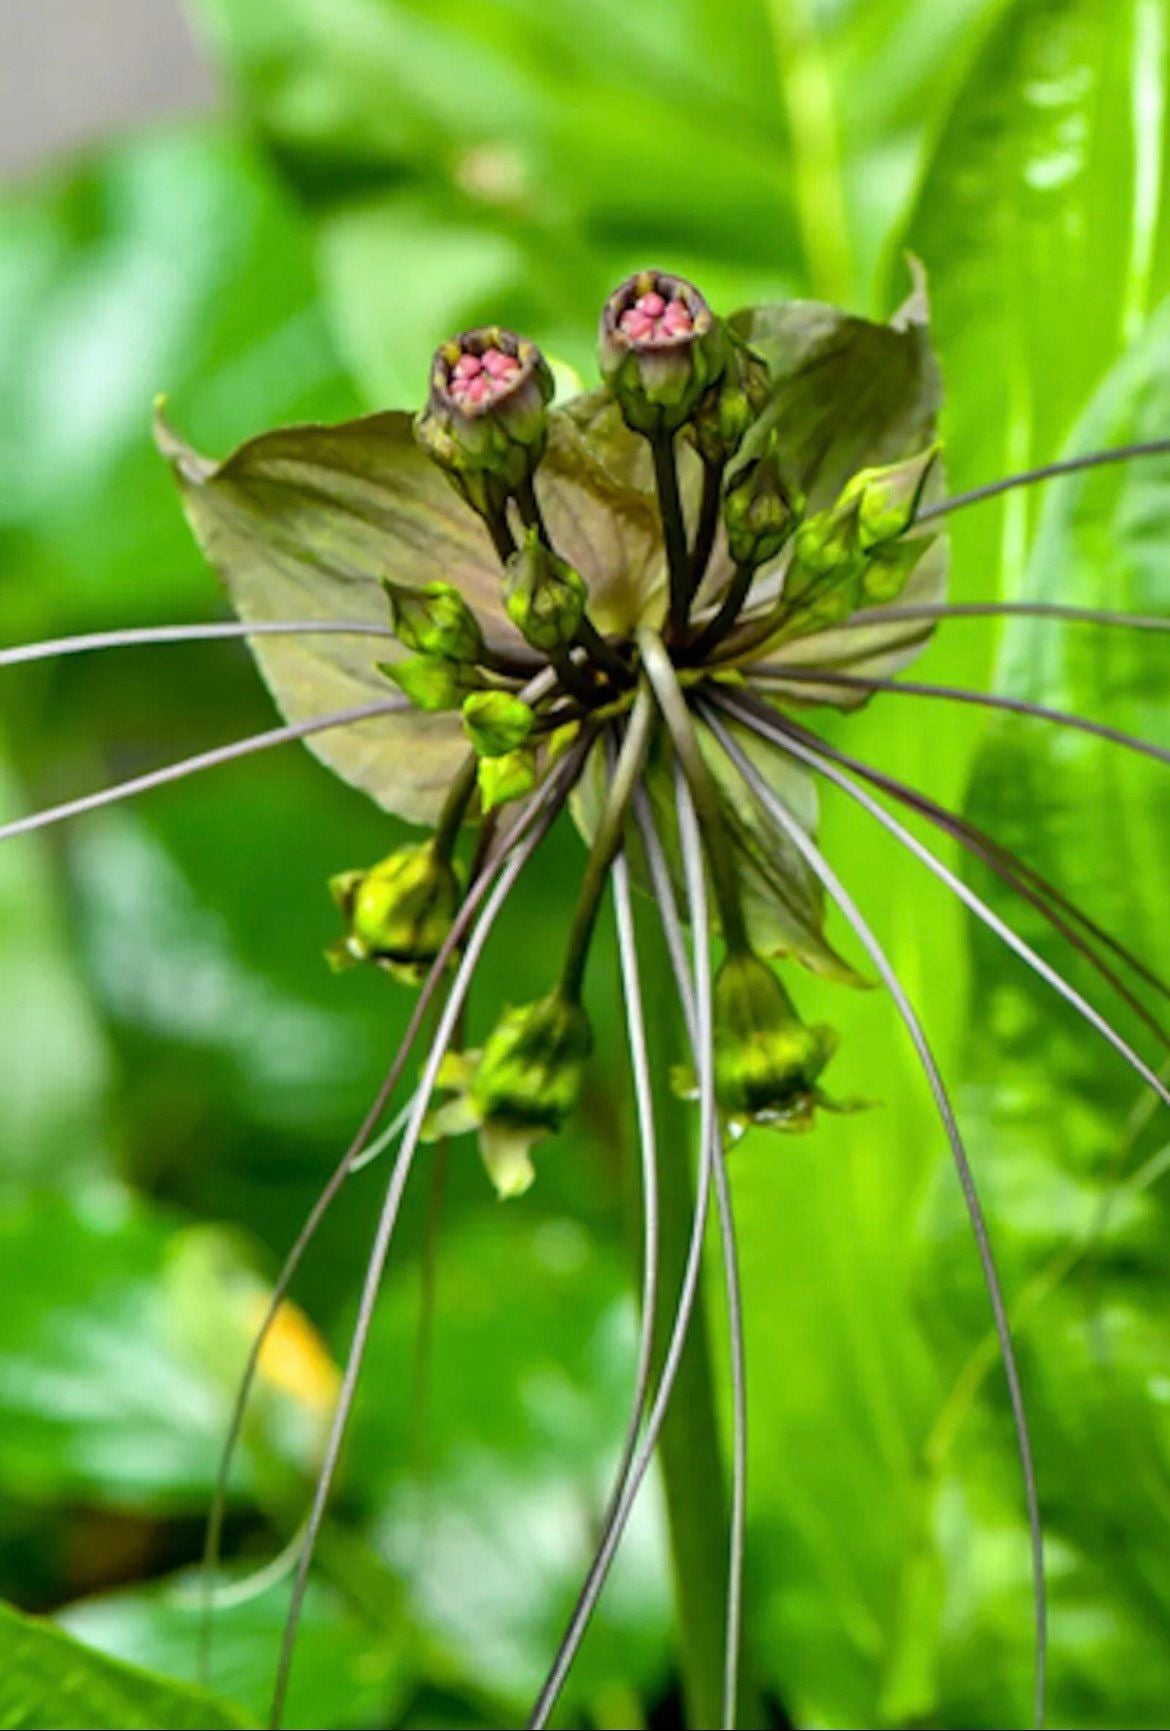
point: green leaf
(169, 263)
(351, 1656)
(1044, 221)
(49, 1682)
(1049, 1106)
(526, 1399)
(105, 1286)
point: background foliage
(178, 1069)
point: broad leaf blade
(50, 1682)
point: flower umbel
(741, 526)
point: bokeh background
(273, 212)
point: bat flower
(571, 598)
(628, 606)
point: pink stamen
(636, 325)
(478, 379)
(654, 319)
(500, 365)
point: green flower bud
(545, 598)
(888, 568)
(767, 1060)
(434, 620)
(758, 512)
(497, 722)
(888, 499)
(399, 912)
(723, 417)
(661, 349)
(530, 1072)
(505, 778)
(486, 419)
(429, 682)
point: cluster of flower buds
(767, 1060)
(398, 913)
(544, 596)
(858, 552)
(436, 623)
(486, 419)
(661, 350)
(499, 725)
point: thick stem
(689, 1452)
(708, 523)
(729, 608)
(704, 792)
(606, 842)
(674, 530)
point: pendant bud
(399, 912)
(434, 620)
(431, 683)
(544, 597)
(506, 777)
(486, 419)
(767, 1060)
(497, 722)
(759, 514)
(530, 1072)
(660, 349)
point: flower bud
(434, 620)
(887, 499)
(429, 682)
(758, 512)
(661, 349)
(486, 419)
(827, 567)
(399, 912)
(888, 567)
(530, 1072)
(766, 1059)
(505, 778)
(497, 722)
(724, 415)
(545, 598)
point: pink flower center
(479, 379)
(652, 319)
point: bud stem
(704, 792)
(455, 808)
(717, 628)
(708, 522)
(674, 530)
(607, 841)
(588, 636)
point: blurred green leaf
(1044, 221)
(169, 264)
(486, 1484)
(119, 1363)
(49, 1682)
(466, 164)
(1050, 1108)
(349, 1664)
